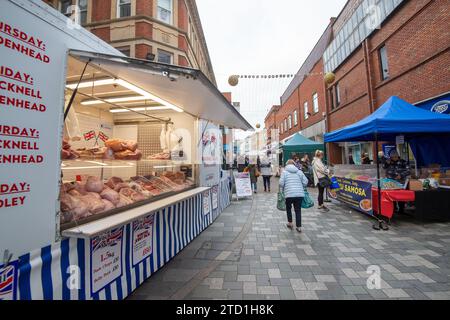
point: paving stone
(274, 273)
(306, 295)
(246, 278)
(396, 293)
(267, 290)
(250, 288)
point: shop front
(111, 167)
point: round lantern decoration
(233, 80)
(329, 77)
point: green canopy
(300, 145)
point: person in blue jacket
(293, 183)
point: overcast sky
(262, 37)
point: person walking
(266, 172)
(292, 183)
(365, 159)
(320, 172)
(254, 174)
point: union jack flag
(89, 135)
(102, 136)
(7, 282)
(109, 239)
(115, 236)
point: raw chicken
(108, 205)
(113, 181)
(94, 184)
(116, 145)
(130, 145)
(120, 186)
(94, 204)
(128, 155)
(124, 201)
(110, 195)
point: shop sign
(8, 281)
(215, 197)
(206, 203)
(243, 184)
(106, 258)
(31, 114)
(357, 194)
(142, 238)
(438, 105)
(388, 148)
(400, 139)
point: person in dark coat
(254, 173)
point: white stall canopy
(181, 89)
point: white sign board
(142, 238)
(243, 184)
(34, 40)
(106, 258)
(215, 197)
(206, 203)
(31, 117)
(210, 153)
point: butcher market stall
(113, 164)
(427, 133)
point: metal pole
(378, 176)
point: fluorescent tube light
(88, 84)
(140, 109)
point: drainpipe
(370, 85)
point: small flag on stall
(89, 135)
(102, 136)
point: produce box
(415, 185)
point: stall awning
(186, 88)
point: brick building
(378, 48)
(167, 31)
(406, 54)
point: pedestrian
(320, 172)
(297, 162)
(365, 159)
(254, 174)
(266, 172)
(350, 159)
(293, 183)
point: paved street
(248, 253)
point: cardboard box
(415, 185)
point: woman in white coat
(320, 171)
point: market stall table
(388, 197)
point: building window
(285, 125)
(165, 57)
(290, 122)
(82, 5)
(65, 7)
(165, 11)
(281, 127)
(305, 109)
(125, 50)
(123, 8)
(295, 118)
(315, 98)
(337, 95)
(384, 63)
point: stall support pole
(378, 181)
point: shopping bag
(281, 201)
(307, 202)
(334, 184)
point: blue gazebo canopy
(395, 117)
(427, 132)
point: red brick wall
(142, 50)
(182, 15)
(182, 61)
(312, 84)
(144, 7)
(103, 33)
(227, 96)
(288, 108)
(144, 30)
(101, 10)
(182, 43)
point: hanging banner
(357, 194)
(388, 148)
(243, 184)
(215, 197)
(206, 203)
(142, 238)
(8, 281)
(106, 258)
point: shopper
(396, 168)
(292, 183)
(254, 174)
(266, 172)
(320, 172)
(350, 159)
(297, 162)
(365, 159)
(305, 163)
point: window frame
(158, 51)
(337, 93)
(384, 74)
(119, 5)
(60, 7)
(295, 118)
(305, 110)
(158, 16)
(290, 122)
(315, 99)
(83, 11)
